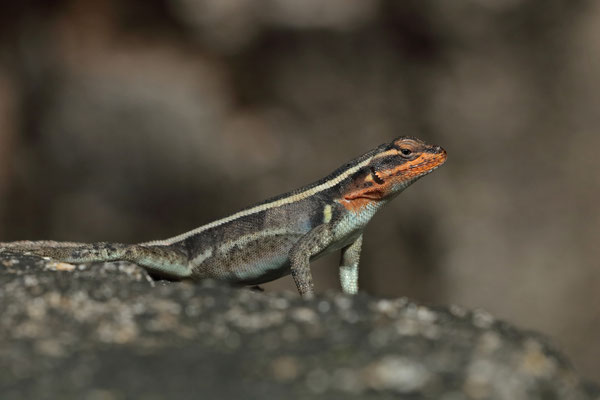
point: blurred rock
(108, 331)
(230, 25)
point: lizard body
(279, 236)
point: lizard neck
(358, 212)
(363, 206)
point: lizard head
(393, 167)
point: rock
(108, 331)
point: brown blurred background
(136, 120)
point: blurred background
(131, 120)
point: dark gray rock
(108, 331)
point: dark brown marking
(376, 177)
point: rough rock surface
(108, 331)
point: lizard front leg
(309, 245)
(349, 266)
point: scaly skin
(279, 236)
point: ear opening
(376, 177)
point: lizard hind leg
(161, 261)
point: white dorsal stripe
(262, 207)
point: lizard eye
(406, 152)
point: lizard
(279, 236)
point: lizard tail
(69, 251)
(162, 261)
(25, 245)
